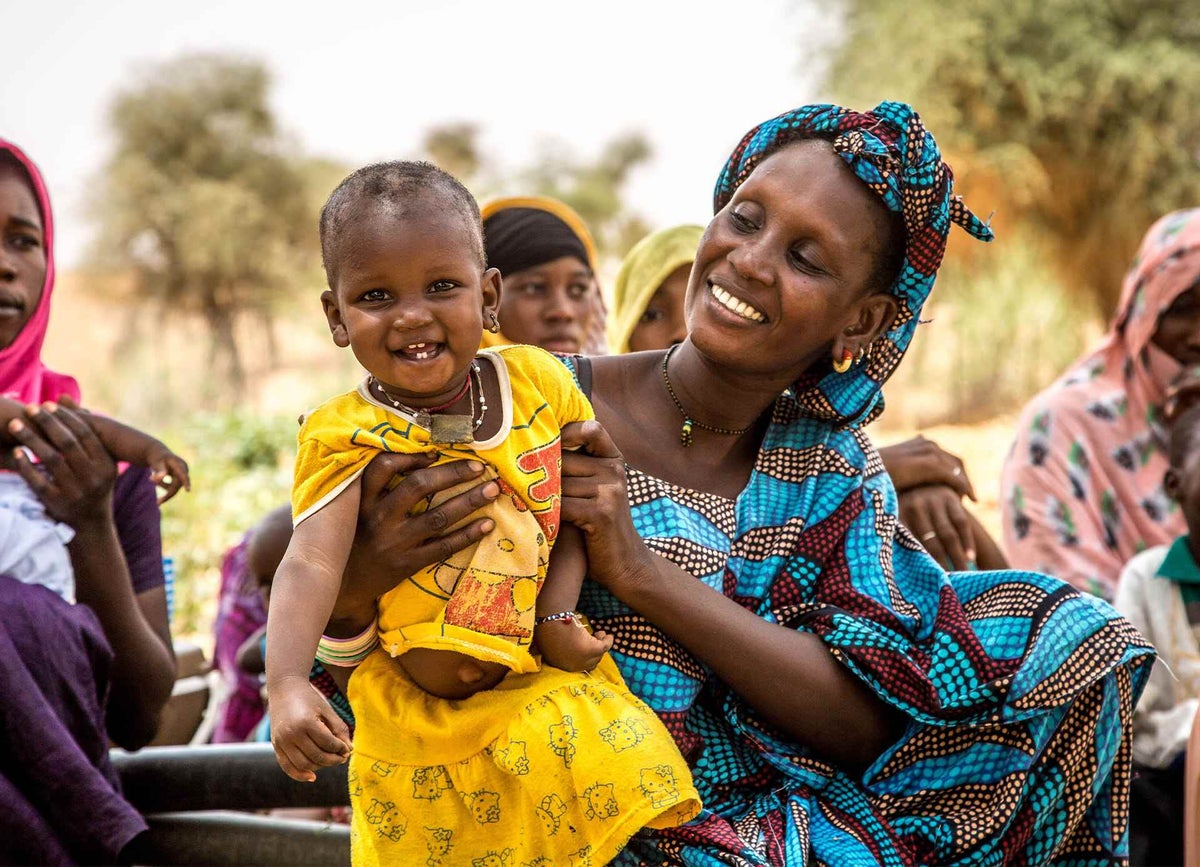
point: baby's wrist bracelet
(558, 615)
(348, 652)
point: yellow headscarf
(595, 342)
(648, 264)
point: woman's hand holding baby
(306, 732)
(391, 543)
(596, 500)
(74, 475)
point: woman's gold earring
(843, 363)
(495, 326)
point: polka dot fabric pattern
(890, 150)
(1018, 689)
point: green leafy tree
(1076, 118)
(205, 201)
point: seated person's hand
(935, 515)
(920, 461)
(306, 732)
(567, 644)
(167, 470)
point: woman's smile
(729, 301)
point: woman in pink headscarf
(1082, 487)
(73, 677)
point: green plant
(241, 469)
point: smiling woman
(839, 698)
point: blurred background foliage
(1073, 121)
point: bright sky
(361, 80)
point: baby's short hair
(394, 185)
(1183, 436)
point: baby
(33, 545)
(455, 652)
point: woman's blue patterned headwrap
(890, 150)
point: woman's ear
(333, 315)
(493, 288)
(877, 312)
(1171, 484)
(874, 315)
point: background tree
(1076, 118)
(593, 188)
(455, 148)
(205, 201)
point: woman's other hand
(935, 515)
(74, 477)
(391, 543)
(920, 461)
(595, 499)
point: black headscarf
(519, 238)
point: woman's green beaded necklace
(685, 433)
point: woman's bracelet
(558, 615)
(348, 652)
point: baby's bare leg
(447, 674)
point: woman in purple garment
(73, 678)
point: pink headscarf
(1082, 488)
(23, 377)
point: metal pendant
(444, 428)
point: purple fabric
(136, 514)
(240, 612)
(60, 801)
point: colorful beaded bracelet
(559, 615)
(348, 652)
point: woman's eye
(652, 315)
(578, 290)
(26, 242)
(799, 260)
(532, 288)
(741, 222)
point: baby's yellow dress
(549, 767)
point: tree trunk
(225, 361)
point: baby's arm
(305, 730)
(566, 643)
(123, 443)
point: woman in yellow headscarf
(547, 259)
(648, 296)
